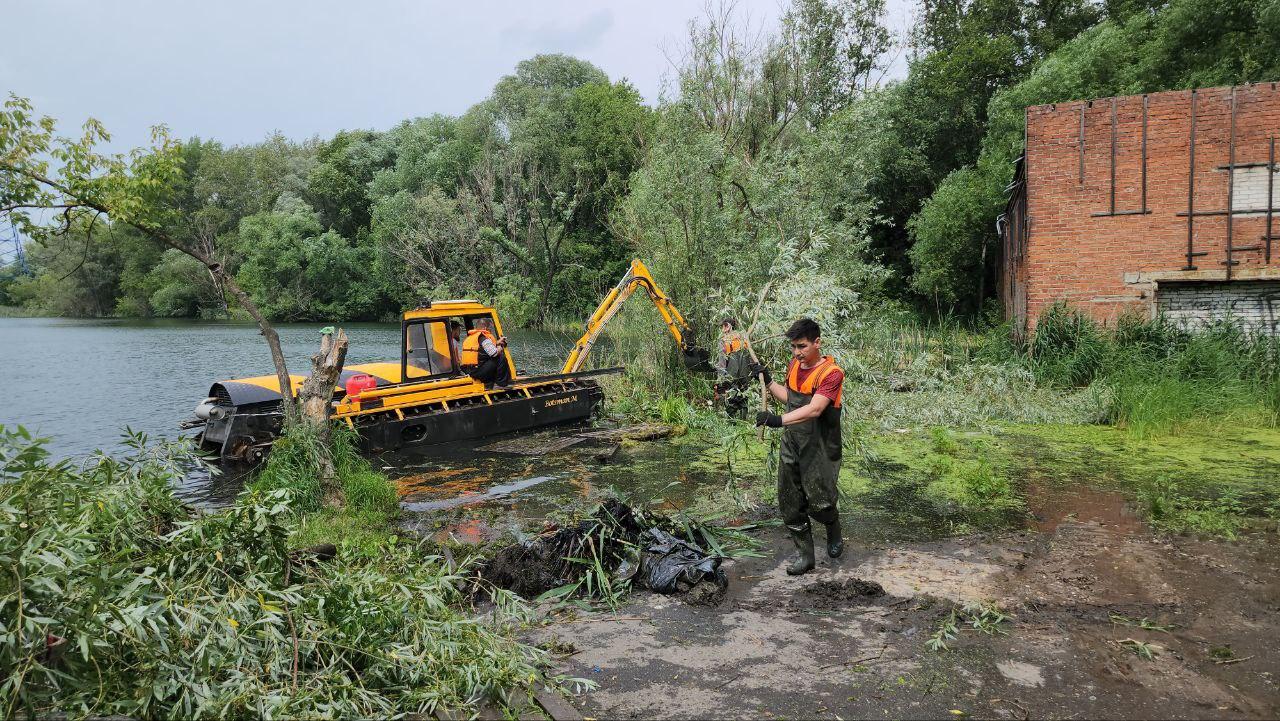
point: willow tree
(52, 187)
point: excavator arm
(637, 276)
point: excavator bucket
(697, 360)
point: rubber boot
(804, 561)
(835, 542)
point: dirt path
(820, 647)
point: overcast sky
(235, 70)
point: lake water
(79, 382)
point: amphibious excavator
(425, 398)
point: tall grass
(1161, 376)
(294, 465)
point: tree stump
(316, 400)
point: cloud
(554, 37)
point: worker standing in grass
(809, 458)
(734, 369)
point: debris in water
(532, 445)
(642, 432)
(607, 454)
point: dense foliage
(773, 150)
(119, 600)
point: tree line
(777, 154)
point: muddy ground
(823, 646)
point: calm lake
(80, 382)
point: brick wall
(1252, 304)
(1105, 235)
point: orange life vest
(471, 346)
(825, 367)
(733, 344)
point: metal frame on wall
(1231, 211)
(1111, 192)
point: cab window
(427, 350)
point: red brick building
(1160, 203)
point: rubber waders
(831, 520)
(804, 561)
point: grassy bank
(360, 513)
(949, 428)
(120, 600)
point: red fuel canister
(359, 383)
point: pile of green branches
(115, 599)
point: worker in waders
(809, 457)
(733, 370)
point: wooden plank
(532, 445)
(555, 706)
(642, 432)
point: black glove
(765, 418)
(758, 369)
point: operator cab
(426, 352)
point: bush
(294, 466)
(1160, 376)
(121, 601)
(1068, 348)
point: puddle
(466, 498)
(478, 480)
(1054, 504)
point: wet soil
(1084, 589)
(830, 595)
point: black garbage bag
(632, 544)
(670, 565)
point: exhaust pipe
(209, 410)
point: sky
(236, 71)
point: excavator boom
(637, 276)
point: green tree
(75, 273)
(1184, 44)
(569, 140)
(297, 271)
(338, 184)
(182, 288)
(839, 48)
(40, 171)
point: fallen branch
(726, 683)
(602, 620)
(854, 663)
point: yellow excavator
(426, 398)
(637, 277)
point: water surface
(79, 382)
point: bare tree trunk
(316, 394)
(287, 402)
